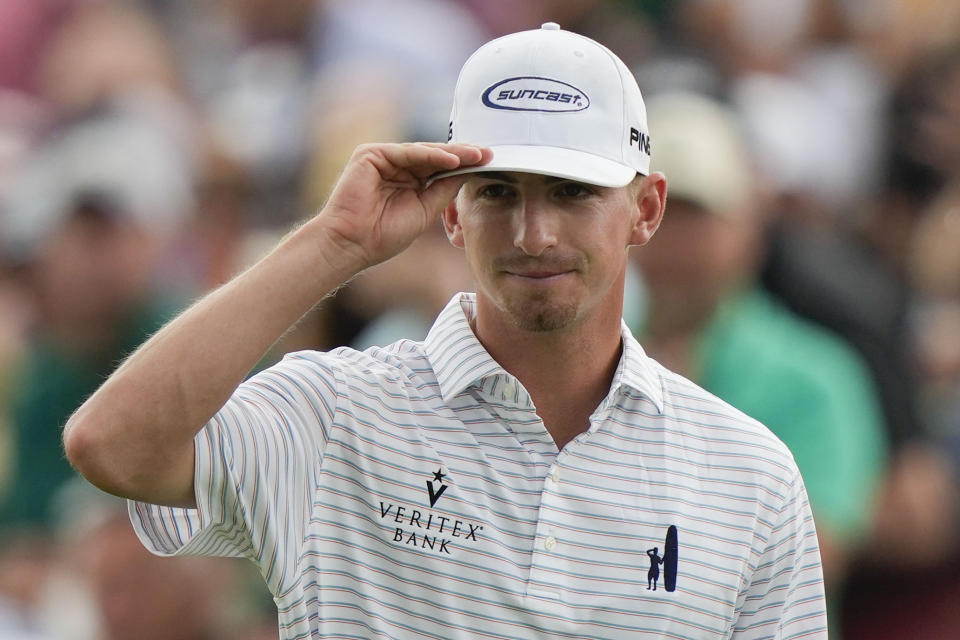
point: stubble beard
(540, 314)
(540, 311)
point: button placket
(546, 544)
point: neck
(567, 372)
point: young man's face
(546, 252)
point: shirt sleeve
(257, 465)
(785, 597)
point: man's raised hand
(380, 204)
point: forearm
(133, 437)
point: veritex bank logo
(427, 528)
(535, 93)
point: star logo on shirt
(436, 493)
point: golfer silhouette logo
(669, 562)
(654, 573)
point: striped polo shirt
(413, 492)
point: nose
(535, 228)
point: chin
(541, 316)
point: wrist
(327, 253)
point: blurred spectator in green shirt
(709, 319)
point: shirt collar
(459, 360)
(457, 357)
(638, 370)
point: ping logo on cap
(533, 93)
(642, 140)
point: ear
(451, 224)
(651, 201)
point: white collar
(459, 360)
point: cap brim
(552, 161)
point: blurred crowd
(807, 271)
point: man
(504, 477)
(86, 230)
(710, 321)
(138, 595)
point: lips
(539, 274)
(539, 269)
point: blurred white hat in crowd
(818, 135)
(701, 150)
(415, 46)
(136, 166)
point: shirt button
(550, 543)
(555, 474)
(509, 388)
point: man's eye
(573, 190)
(494, 190)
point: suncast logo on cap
(533, 93)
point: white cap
(136, 165)
(552, 102)
(702, 152)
